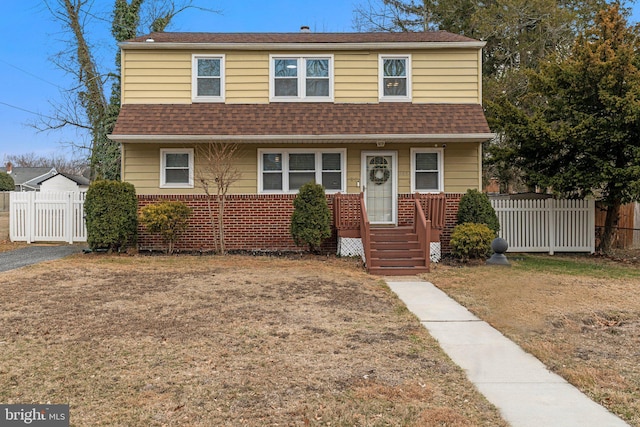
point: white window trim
(194, 78)
(163, 176)
(381, 96)
(301, 79)
(440, 153)
(285, 168)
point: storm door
(380, 193)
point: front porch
(404, 249)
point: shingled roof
(304, 120)
(302, 37)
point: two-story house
(379, 119)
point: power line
(31, 74)
(27, 111)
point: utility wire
(27, 111)
(31, 74)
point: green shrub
(111, 215)
(311, 218)
(471, 241)
(168, 219)
(6, 182)
(475, 207)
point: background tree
(217, 173)
(578, 129)
(85, 106)
(519, 35)
(6, 182)
(61, 163)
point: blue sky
(29, 81)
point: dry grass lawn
(224, 341)
(579, 315)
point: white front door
(380, 193)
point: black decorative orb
(499, 245)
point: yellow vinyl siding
(438, 76)
(355, 77)
(445, 76)
(153, 77)
(247, 77)
(141, 166)
(461, 167)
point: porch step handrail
(433, 206)
(422, 227)
(365, 230)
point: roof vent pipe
(305, 29)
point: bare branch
(218, 170)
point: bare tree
(217, 173)
(85, 105)
(59, 162)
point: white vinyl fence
(47, 217)
(547, 225)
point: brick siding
(258, 223)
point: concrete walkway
(519, 385)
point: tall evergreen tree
(578, 129)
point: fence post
(552, 216)
(12, 217)
(68, 224)
(31, 215)
(592, 224)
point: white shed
(64, 182)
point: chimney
(305, 29)
(9, 167)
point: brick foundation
(260, 222)
(252, 223)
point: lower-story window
(427, 170)
(176, 168)
(285, 171)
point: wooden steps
(395, 251)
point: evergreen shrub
(111, 215)
(311, 218)
(475, 207)
(6, 182)
(471, 241)
(169, 219)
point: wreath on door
(379, 172)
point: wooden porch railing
(348, 208)
(422, 227)
(365, 228)
(347, 213)
(433, 207)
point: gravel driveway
(34, 254)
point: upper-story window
(208, 78)
(300, 78)
(427, 170)
(395, 78)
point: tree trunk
(221, 199)
(610, 222)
